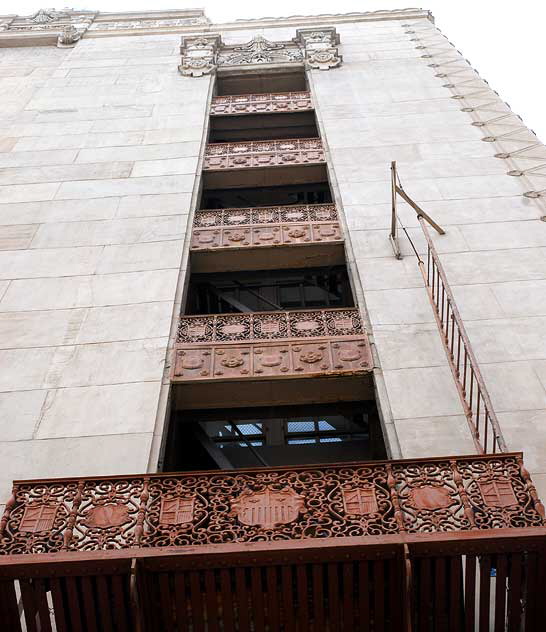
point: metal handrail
(478, 409)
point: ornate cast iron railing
(425, 496)
(481, 417)
(263, 153)
(261, 326)
(269, 345)
(265, 226)
(260, 103)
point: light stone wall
(384, 104)
(99, 147)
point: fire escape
(277, 508)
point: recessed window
(283, 435)
(229, 83)
(265, 291)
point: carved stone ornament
(359, 501)
(68, 37)
(145, 23)
(430, 497)
(105, 516)
(67, 26)
(320, 47)
(259, 51)
(37, 518)
(498, 493)
(268, 508)
(199, 55)
(178, 510)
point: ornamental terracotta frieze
(261, 103)
(266, 153)
(288, 503)
(274, 226)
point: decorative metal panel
(267, 359)
(264, 153)
(268, 226)
(284, 503)
(261, 103)
(298, 213)
(263, 326)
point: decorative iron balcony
(265, 226)
(261, 103)
(266, 153)
(290, 503)
(409, 544)
(271, 345)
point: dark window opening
(269, 290)
(276, 435)
(259, 83)
(286, 125)
(313, 193)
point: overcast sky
(503, 39)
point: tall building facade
(272, 313)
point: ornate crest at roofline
(259, 51)
(67, 25)
(316, 48)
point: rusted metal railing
(481, 417)
(215, 229)
(261, 103)
(265, 345)
(263, 153)
(304, 502)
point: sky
(503, 39)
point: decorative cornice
(146, 22)
(22, 31)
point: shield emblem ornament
(430, 497)
(268, 508)
(177, 510)
(37, 518)
(107, 516)
(360, 501)
(498, 493)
